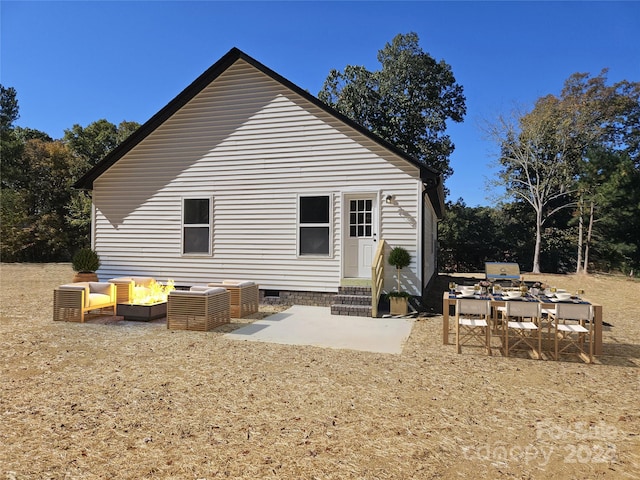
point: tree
(407, 102)
(536, 164)
(43, 219)
(10, 145)
(611, 193)
(543, 152)
(470, 236)
(8, 108)
(89, 145)
(93, 142)
(33, 227)
(608, 120)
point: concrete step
(352, 310)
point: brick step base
(352, 310)
(352, 299)
(354, 291)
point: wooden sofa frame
(244, 298)
(200, 309)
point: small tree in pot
(400, 258)
(85, 262)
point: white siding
(430, 232)
(253, 145)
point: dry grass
(133, 400)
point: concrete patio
(315, 326)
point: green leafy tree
(407, 102)
(92, 143)
(89, 145)
(470, 236)
(43, 219)
(611, 209)
(10, 144)
(34, 228)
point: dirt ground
(130, 400)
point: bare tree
(537, 162)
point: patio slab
(315, 326)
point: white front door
(360, 234)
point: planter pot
(85, 277)
(398, 305)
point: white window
(196, 226)
(314, 225)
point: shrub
(85, 260)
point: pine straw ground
(114, 399)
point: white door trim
(345, 197)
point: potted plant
(85, 262)
(399, 257)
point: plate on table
(466, 295)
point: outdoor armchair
(73, 300)
(244, 296)
(200, 308)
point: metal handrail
(377, 277)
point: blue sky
(80, 61)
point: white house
(246, 176)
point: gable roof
(430, 177)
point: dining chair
(521, 323)
(572, 337)
(472, 323)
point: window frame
(328, 224)
(184, 226)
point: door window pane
(360, 218)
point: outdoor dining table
(449, 300)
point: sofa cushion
(140, 290)
(100, 287)
(98, 299)
(198, 290)
(143, 281)
(237, 283)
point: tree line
(43, 218)
(570, 167)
